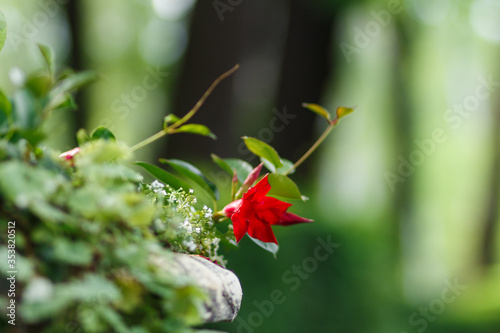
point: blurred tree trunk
(75, 19)
(404, 135)
(307, 61)
(493, 195)
(213, 48)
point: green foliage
(263, 150)
(283, 186)
(169, 120)
(319, 110)
(229, 165)
(93, 242)
(343, 111)
(287, 165)
(47, 56)
(103, 133)
(164, 176)
(194, 174)
(196, 129)
(3, 30)
(270, 247)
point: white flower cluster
(186, 228)
(158, 188)
(208, 212)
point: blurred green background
(407, 187)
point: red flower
(255, 213)
(68, 155)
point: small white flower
(190, 245)
(191, 190)
(158, 185)
(160, 192)
(198, 230)
(186, 225)
(194, 200)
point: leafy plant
(93, 240)
(89, 234)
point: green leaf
(5, 105)
(263, 150)
(196, 129)
(103, 133)
(221, 163)
(318, 110)
(169, 119)
(76, 253)
(191, 172)
(113, 318)
(343, 111)
(82, 136)
(70, 83)
(286, 166)
(47, 56)
(283, 186)
(68, 103)
(24, 111)
(90, 288)
(39, 84)
(3, 30)
(271, 247)
(243, 168)
(164, 176)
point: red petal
(290, 219)
(262, 231)
(240, 226)
(259, 191)
(232, 207)
(252, 177)
(271, 209)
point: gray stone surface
(221, 286)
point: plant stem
(313, 147)
(207, 93)
(149, 140)
(171, 129)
